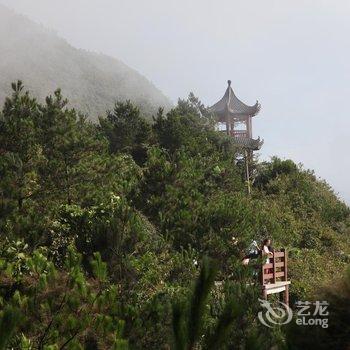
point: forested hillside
(92, 82)
(112, 234)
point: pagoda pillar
(228, 125)
(249, 127)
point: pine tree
(9, 319)
(20, 152)
(67, 140)
(188, 316)
(127, 131)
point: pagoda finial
(229, 82)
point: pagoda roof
(231, 106)
(248, 143)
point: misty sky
(293, 56)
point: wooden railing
(276, 270)
(274, 275)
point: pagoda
(234, 118)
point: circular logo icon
(273, 315)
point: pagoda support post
(227, 126)
(249, 127)
(246, 160)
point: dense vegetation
(113, 234)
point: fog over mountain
(44, 62)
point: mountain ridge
(91, 81)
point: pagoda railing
(239, 133)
